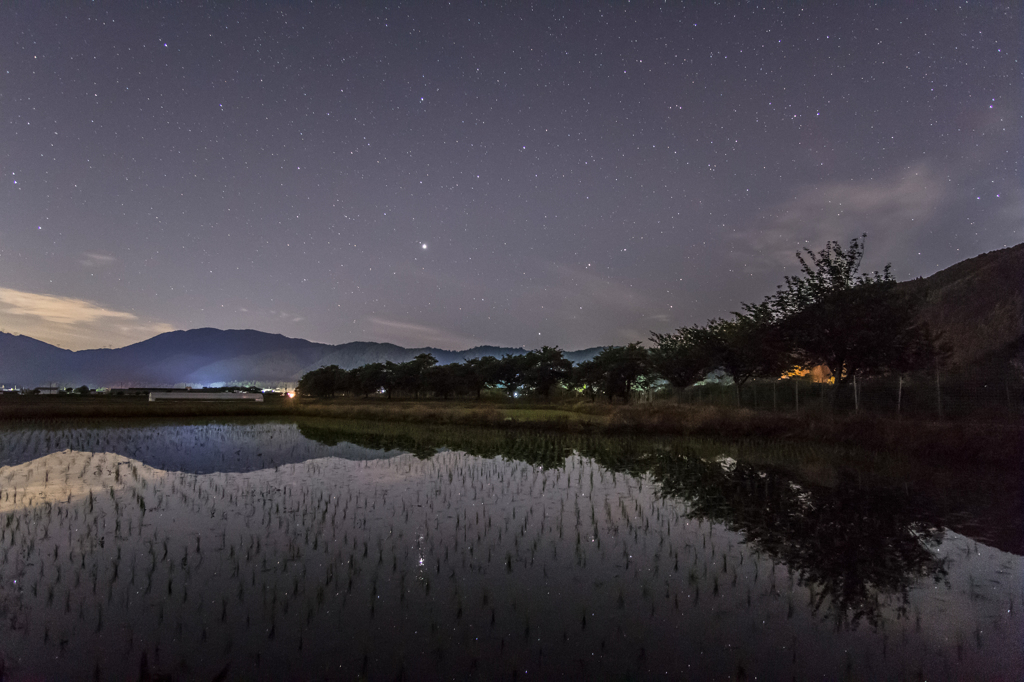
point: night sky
(451, 175)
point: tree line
(831, 314)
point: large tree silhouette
(852, 322)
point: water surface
(318, 550)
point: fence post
(856, 396)
(899, 397)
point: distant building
(196, 395)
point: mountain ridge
(208, 356)
(977, 305)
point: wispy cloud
(892, 210)
(585, 301)
(59, 309)
(96, 260)
(72, 322)
(580, 286)
(281, 315)
(409, 334)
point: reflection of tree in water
(385, 441)
(852, 546)
(533, 447)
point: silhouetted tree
(678, 358)
(391, 378)
(621, 368)
(547, 368)
(479, 373)
(442, 380)
(410, 376)
(851, 322)
(368, 379)
(587, 377)
(318, 383)
(748, 346)
(511, 372)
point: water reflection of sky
(191, 448)
(459, 565)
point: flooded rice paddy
(318, 550)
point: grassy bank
(947, 440)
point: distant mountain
(977, 305)
(26, 361)
(207, 357)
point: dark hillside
(358, 353)
(977, 305)
(24, 361)
(201, 356)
